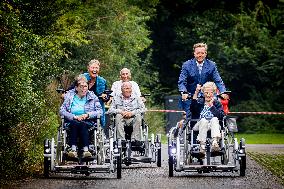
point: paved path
(149, 176)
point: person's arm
(182, 81)
(140, 107)
(136, 89)
(113, 107)
(198, 88)
(64, 108)
(218, 80)
(96, 110)
(217, 110)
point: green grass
(252, 138)
(273, 162)
(262, 138)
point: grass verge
(271, 138)
(273, 162)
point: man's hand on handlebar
(185, 96)
(143, 97)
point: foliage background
(45, 43)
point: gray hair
(125, 83)
(79, 79)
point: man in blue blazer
(198, 70)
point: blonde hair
(210, 85)
(200, 45)
(94, 61)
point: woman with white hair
(210, 111)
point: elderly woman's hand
(81, 117)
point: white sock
(74, 148)
(85, 148)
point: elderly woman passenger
(79, 108)
(210, 111)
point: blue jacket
(101, 86)
(100, 83)
(189, 76)
(92, 106)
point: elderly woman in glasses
(79, 108)
(209, 110)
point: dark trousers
(79, 128)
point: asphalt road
(147, 176)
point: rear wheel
(171, 166)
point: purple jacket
(92, 106)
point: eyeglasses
(83, 86)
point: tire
(225, 156)
(46, 161)
(159, 157)
(46, 167)
(118, 166)
(243, 166)
(171, 166)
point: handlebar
(107, 92)
(61, 91)
(225, 92)
(145, 95)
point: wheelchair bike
(106, 154)
(183, 149)
(148, 150)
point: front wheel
(46, 161)
(46, 167)
(171, 166)
(243, 166)
(159, 157)
(118, 165)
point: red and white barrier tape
(263, 113)
(252, 113)
(165, 111)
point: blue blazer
(189, 76)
